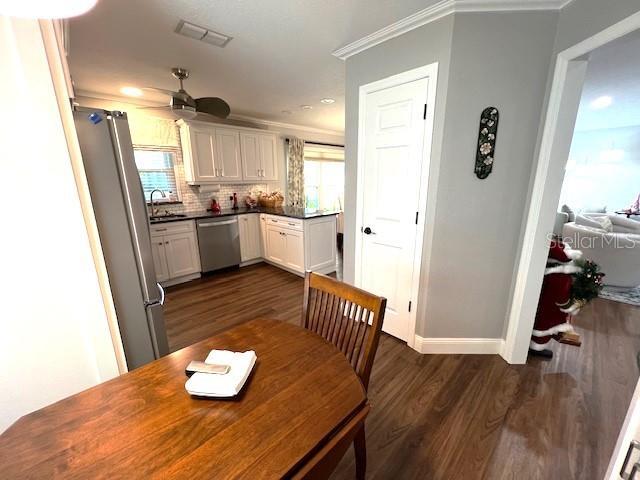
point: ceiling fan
(183, 105)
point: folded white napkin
(227, 385)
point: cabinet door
(249, 230)
(228, 155)
(253, 222)
(263, 234)
(159, 259)
(294, 250)
(250, 148)
(203, 155)
(268, 158)
(276, 245)
(182, 254)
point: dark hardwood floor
(456, 416)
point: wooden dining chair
(351, 319)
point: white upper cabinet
(251, 164)
(228, 155)
(219, 154)
(202, 155)
(268, 157)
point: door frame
(559, 119)
(429, 71)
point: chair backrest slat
(348, 317)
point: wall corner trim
(470, 346)
(439, 10)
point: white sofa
(616, 251)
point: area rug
(630, 296)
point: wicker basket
(270, 202)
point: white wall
(54, 338)
(497, 59)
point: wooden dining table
(144, 424)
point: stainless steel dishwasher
(219, 242)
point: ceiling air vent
(203, 34)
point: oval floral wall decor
(486, 141)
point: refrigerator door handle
(156, 302)
(161, 293)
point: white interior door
(394, 134)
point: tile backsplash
(193, 199)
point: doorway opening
(577, 152)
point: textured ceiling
(279, 58)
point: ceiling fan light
(45, 8)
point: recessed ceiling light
(286, 112)
(327, 101)
(131, 91)
(601, 102)
(306, 107)
(46, 8)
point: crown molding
(418, 19)
(438, 11)
(138, 102)
(292, 126)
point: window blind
(156, 166)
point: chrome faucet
(155, 211)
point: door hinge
(424, 114)
(417, 217)
(409, 305)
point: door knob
(368, 231)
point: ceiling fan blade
(170, 93)
(213, 106)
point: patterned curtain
(295, 173)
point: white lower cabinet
(294, 248)
(158, 252)
(174, 247)
(250, 238)
(276, 245)
(299, 245)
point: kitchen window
(156, 166)
(323, 177)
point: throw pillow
(605, 222)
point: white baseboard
(491, 346)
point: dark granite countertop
(291, 212)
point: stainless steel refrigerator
(123, 225)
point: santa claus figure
(555, 306)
